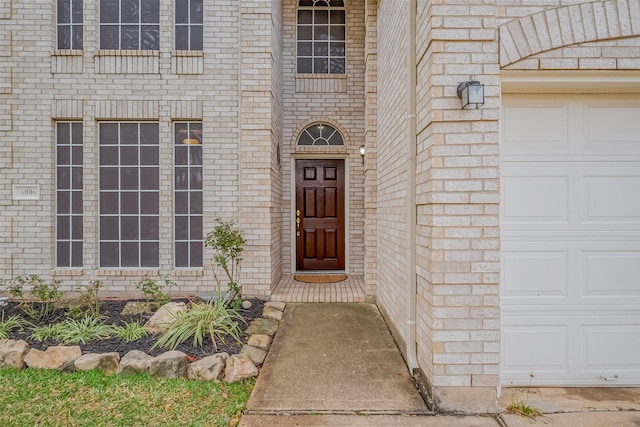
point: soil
(111, 311)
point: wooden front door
(319, 215)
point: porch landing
(291, 290)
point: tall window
(130, 24)
(129, 195)
(188, 194)
(188, 15)
(321, 36)
(69, 194)
(69, 19)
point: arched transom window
(320, 134)
(322, 37)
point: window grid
(130, 24)
(69, 24)
(69, 158)
(129, 195)
(321, 37)
(188, 24)
(188, 225)
(320, 134)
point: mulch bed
(111, 310)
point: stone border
(172, 364)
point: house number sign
(26, 192)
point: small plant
(227, 244)
(520, 406)
(88, 304)
(52, 331)
(48, 294)
(213, 318)
(84, 330)
(13, 323)
(153, 292)
(131, 331)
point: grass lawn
(34, 397)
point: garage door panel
(522, 135)
(612, 199)
(612, 127)
(528, 346)
(535, 198)
(535, 274)
(612, 349)
(612, 274)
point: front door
(319, 215)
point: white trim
(570, 81)
(292, 218)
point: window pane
(337, 49)
(63, 253)
(64, 227)
(305, 49)
(129, 12)
(64, 202)
(321, 33)
(63, 156)
(321, 65)
(129, 133)
(337, 17)
(181, 155)
(182, 178)
(76, 254)
(129, 37)
(76, 177)
(63, 133)
(196, 179)
(109, 228)
(337, 65)
(182, 11)
(182, 228)
(149, 155)
(129, 228)
(64, 178)
(321, 17)
(195, 158)
(108, 178)
(77, 154)
(182, 254)
(196, 203)
(337, 33)
(149, 179)
(109, 254)
(321, 49)
(182, 202)
(149, 134)
(76, 37)
(108, 133)
(130, 254)
(150, 11)
(305, 17)
(76, 198)
(129, 155)
(76, 227)
(109, 37)
(76, 133)
(305, 65)
(196, 38)
(149, 203)
(64, 37)
(196, 254)
(129, 178)
(129, 202)
(196, 11)
(305, 32)
(149, 228)
(182, 38)
(109, 203)
(64, 11)
(108, 155)
(76, 10)
(109, 11)
(150, 37)
(196, 228)
(150, 254)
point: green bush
(131, 331)
(227, 244)
(13, 323)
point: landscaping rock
(12, 353)
(262, 326)
(272, 313)
(280, 306)
(246, 304)
(239, 367)
(59, 357)
(160, 321)
(260, 341)
(134, 308)
(172, 364)
(107, 363)
(134, 362)
(256, 354)
(208, 369)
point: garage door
(570, 218)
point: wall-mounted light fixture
(472, 94)
(363, 151)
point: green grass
(34, 397)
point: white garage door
(570, 218)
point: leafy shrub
(213, 318)
(89, 328)
(131, 331)
(48, 294)
(41, 333)
(227, 244)
(153, 290)
(13, 323)
(88, 304)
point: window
(69, 18)
(320, 134)
(129, 195)
(321, 36)
(69, 194)
(130, 24)
(188, 15)
(188, 194)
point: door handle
(298, 222)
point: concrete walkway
(337, 365)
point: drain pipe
(411, 285)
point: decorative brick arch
(564, 26)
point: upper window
(188, 15)
(320, 134)
(69, 22)
(321, 36)
(130, 24)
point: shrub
(213, 318)
(88, 304)
(41, 333)
(89, 328)
(13, 323)
(48, 294)
(153, 291)
(131, 331)
(227, 244)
